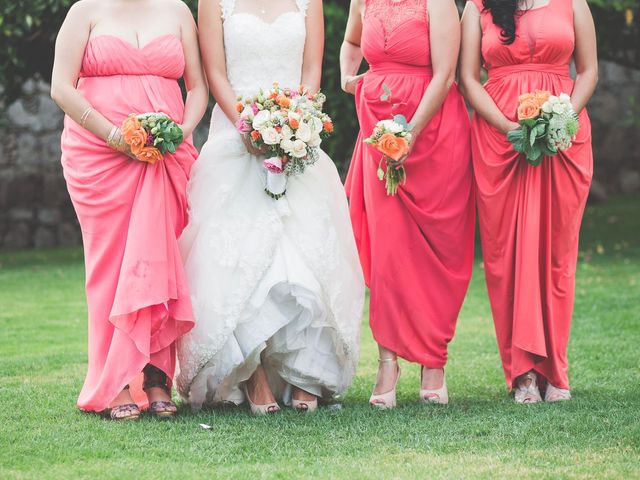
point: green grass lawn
(481, 434)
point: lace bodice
(393, 13)
(263, 47)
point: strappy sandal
(156, 378)
(127, 411)
(555, 394)
(530, 394)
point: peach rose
(328, 127)
(255, 135)
(541, 96)
(392, 146)
(528, 109)
(150, 155)
(239, 107)
(283, 101)
(129, 125)
(294, 123)
(137, 140)
(526, 97)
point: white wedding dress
(276, 282)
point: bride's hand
(252, 149)
(349, 83)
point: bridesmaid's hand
(349, 83)
(510, 126)
(400, 162)
(246, 139)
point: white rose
(547, 107)
(560, 108)
(304, 132)
(286, 132)
(315, 140)
(261, 120)
(247, 113)
(392, 126)
(564, 98)
(299, 149)
(270, 136)
(287, 146)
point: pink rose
(243, 126)
(255, 108)
(273, 164)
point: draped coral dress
(530, 216)
(416, 248)
(131, 214)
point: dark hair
(503, 13)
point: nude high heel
(386, 401)
(257, 410)
(305, 406)
(438, 396)
(530, 394)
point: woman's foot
(433, 386)
(158, 394)
(526, 390)
(555, 394)
(123, 407)
(304, 401)
(384, 392)
(259, 394)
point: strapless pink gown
(416, 248)
(530, 217)
(131, 214)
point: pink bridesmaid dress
(131, 214)
(530, 216)
(416, 248)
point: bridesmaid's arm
(444, 38)
(585, 55)
(211, 36)
(70, 46)
(313, 47)
(470, 66)
(195, 83)
(350, 52)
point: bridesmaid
(529, 216)
(111, 61)
(416, 248)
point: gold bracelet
(85, 116)
(111, 137)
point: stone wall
(35, 210)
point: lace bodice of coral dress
(272, 281)
(131, 214)
(416, 248)
(530, 216)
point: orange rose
(392, 146)
(541, 96)
(294, 123)
(136, 140)
(129, 125)
(150, 155)
(528, 109)
(239, 107)
(283, 101)
(328, 127)
(255, 135)
(526, 97)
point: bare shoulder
(84, 10)
(178, 7)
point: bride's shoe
(385, 401)
(305, 406)
(261, 409)
(439, 396)
(554, 394)
(530, 394)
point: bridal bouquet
(151, 135)
(548, 125)
(391, 138)
(290, 123)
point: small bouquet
(290, 123)
(548, 125)
(391, 138)
(151, 135)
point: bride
(276, 285)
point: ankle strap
(387, 360)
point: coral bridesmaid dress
(530, 216)
(416, 248)
(131, 214)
